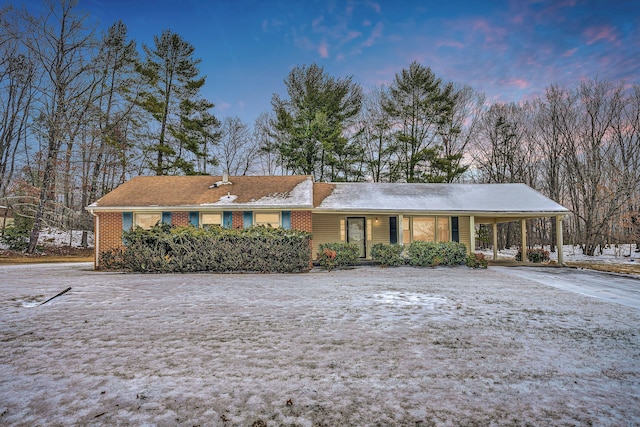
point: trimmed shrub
(388, 255)
(167, 249)
(432, 254)
(337, 254)
(477, 260)
(534, 255)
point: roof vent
(225, 177)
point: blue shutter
(286, 220)
(247, 219)
(166, 218)
(227, 219)
(127, 221)
(194, 218)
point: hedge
(432, 254)
(168, 249)
(336, 254)
(388, 255)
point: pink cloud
(570, 52)
(594, 34)
(520, 83)
(352, 35)
(323, 50)
(375, 6)
(450, 43)
(376, 33)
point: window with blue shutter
(227, 219)
(194, 218)
(247, 219)
(286, 220)
(166, 218)
(127, 221)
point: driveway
(608, 287)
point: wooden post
(400, 229)
(559, 240)
(494, 229)
(523, 233)
(472, 234)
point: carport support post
(472, 234)
(523, 233)
(494, 230)
(559, 242)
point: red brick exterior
(109, 226)
(237, 219)
(301, 220)
(180, 219)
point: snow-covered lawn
(367, 346)
(614, 254)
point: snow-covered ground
(367, 346)
(58, 237)
(618, 254)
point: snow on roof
(499, 198)
(190, 191)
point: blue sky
(508, 49)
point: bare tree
(237, 151)
(59, 43)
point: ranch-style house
(363, 213)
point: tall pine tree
(183, 122)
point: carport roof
(472, 198)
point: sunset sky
(508, 49)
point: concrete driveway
(608, 287)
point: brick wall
(110, 231)
(180, 219)
(301, 220)
(237, 219)
(110, 223)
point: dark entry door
(356, 233)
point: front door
(356, 228)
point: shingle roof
(387, 197)
(300, 192)
(258, 191)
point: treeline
(83, 111)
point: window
(268, 219)
(147, 220)
(425, 228)
(443, 229)
(209, 219)
(194, 219)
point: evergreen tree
(311, 123)
(420, 105)
(184, 123)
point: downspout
(96, 238)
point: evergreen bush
(338, 254)
(536, 255)
(432, 254)
(167, 249)
(477, 260)
(16, 236)
(388, 255)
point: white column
(559, 240)
(523, 232)
(400, 229)
(472, 234)
(494, 229)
